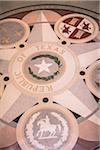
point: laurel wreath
(54, 58)
(29, 131)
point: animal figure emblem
(66, 29)
(47, 130)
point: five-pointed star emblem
(43, 66)
(86, 54)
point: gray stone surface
(92, 5)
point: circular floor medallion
(93, 78)
(76, 28)
(43, 68)
(49, 127)
(27, 13)
(13, 32)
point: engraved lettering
(21, 58)
(18, 75)
(35, 89)
(49, 88)
(41, 88)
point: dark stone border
(52, 6)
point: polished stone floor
(93, 6)
(81, 145)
